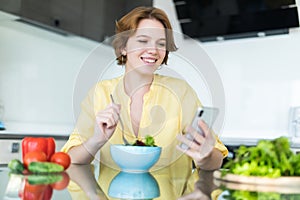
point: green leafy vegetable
(248, 195)
(148, 141)
(270, 158)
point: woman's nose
(152, 48)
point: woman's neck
(135, 83)
(136, 86)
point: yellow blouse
(168, 108)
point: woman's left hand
(199, 147)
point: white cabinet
(10, 149)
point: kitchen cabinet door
(11, 6)
(36, 10)
(93, 19)
(67, 15)
(64, 15)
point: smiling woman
(147, 103)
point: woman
(148, 104)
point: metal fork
(121, 123)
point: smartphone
(208, 115)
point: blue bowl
(133, 186)
(138, 159)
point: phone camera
(200, 113)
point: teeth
(149, 60)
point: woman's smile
(149, 60)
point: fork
(121, 123)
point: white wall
(38, 71)
(261, 81)
(260, 77)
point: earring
(122, 61)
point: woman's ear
(123, 52)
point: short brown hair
(127, 25)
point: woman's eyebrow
(147, 36)
(143, 36)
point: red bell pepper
(46, 145)
(35, 192)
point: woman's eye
(161, 44)
(142, 41)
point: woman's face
(146, 49)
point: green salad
(148, 141)
(270, 158)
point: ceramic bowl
(136, 159)
(133, 186)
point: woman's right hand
(105, 125)
(106, 122)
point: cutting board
(254, 183)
